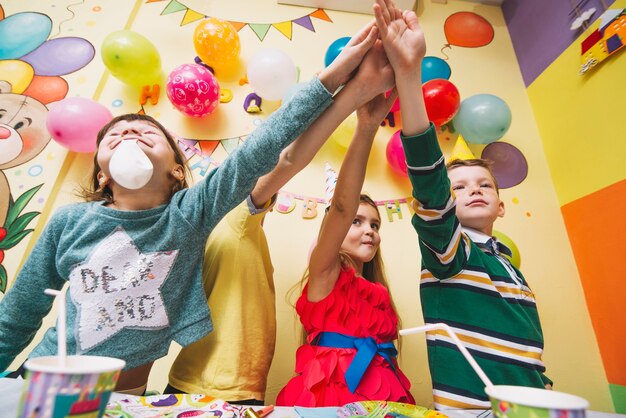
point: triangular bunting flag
(188, 148)
(237, 25)
(260, 29)
(141, 111)
(321, 14)
(305, 22)
(191, 16)
(208, 147)
(461, 151)
(173, 7)
(285, 28)
(230, 144)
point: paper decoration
(461, 151)
(259, 29)
(584, 17)
(604, 41)
(331, 182)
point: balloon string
(67, 20)
(444, 54)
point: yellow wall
(581, 120)
(533, 219)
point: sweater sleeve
(25, 305)
(228, 185)
(443, 246)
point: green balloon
(132, 58)
(516, 260)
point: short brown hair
(474, 162)
(96, 193)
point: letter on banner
(309, 211)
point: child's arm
(405, 47)
(324, 266)
(25, 305)
(443, 250)
(229, 184)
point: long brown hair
(94, 192)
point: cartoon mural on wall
(30, 70)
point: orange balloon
(216, 42)
(468, 29)
(47, 89)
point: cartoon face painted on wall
(23, 135)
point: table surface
(10, 392)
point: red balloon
(442, 100)
(468, 29)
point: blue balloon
(433, 67)
(22, 33)
(335, 49)
(483, 119)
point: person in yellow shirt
(232, 363)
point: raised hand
(401, 36)
(372, 113)
(375, 74)
(342, 68)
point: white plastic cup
(524, 402)
(82, 387)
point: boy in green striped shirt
(466, 281)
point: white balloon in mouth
(130, 167)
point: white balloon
(271, 73)
(130, 167)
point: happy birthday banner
(200, 152)
(259, 29)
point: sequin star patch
(118, 287)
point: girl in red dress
(345, 306)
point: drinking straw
(60, 297)
(459, 344)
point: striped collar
(476, 236)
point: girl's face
(363, 239)
(152, 142)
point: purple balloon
(60, 56)
(509, 164)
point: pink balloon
(395, 155)
(193, 90)
(74, 122)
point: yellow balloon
(345, 131)
(132, 58)
(516, 259)
(216, 42)
(18, 73)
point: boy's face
(477, 202)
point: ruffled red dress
(358, 308)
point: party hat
(461, 151)
(331, 181)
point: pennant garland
(259, 29)
(287, 201)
